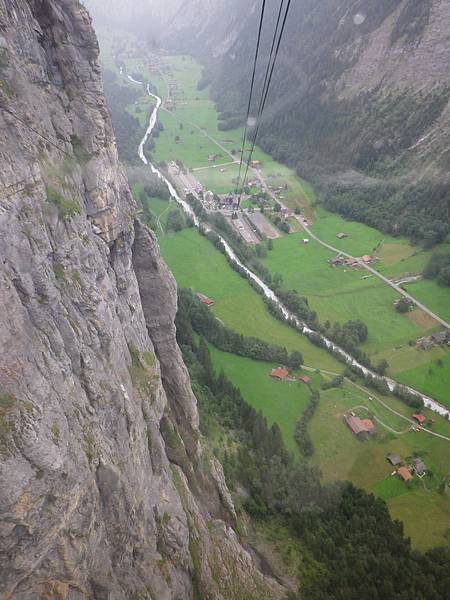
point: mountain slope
(360, 98)
(105, 490)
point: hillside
(359, 104)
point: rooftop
(280, 373)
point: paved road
(374, 272)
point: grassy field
(280, 402)
(429, 293)
(341, 293)
(196, 264)
(341, 456)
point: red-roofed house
(305, 379)
(360, 427)
(205, 300)
(366, 259)
(368, 424)
(404, 474)
(281, 373)
(419, 418)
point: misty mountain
(360, 97)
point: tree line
(351, 549)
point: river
(428, 402)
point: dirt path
(376, 398)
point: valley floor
(190, 134)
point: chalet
(281, 373)
(304, 379)
(404, 474)
(419, 467)
(366, 259)
(211, 157)
(205, 300)
(394, 459)
(419, 418)
(256, 164)
(360, 427)
(336, 260)
(341, 236)
(351, 262)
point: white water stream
(428, 402)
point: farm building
(341, 236)
(205, 300)
(419, 467)
(440, 338)
(350, 262)
(424, 343)
(360, 427)
(336, 260)
(304, 379)
(281, 373)
(366, 259)
(419, 418)
(394, 459)
(404, 474)
(256, 164)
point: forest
(350, 547)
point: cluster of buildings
(437, 339)
(355, 263)
(282, 374)
(416, 467)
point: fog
(143, 17)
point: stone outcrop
(105, 489)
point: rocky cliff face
(105, 490)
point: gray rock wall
(105, 490)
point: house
(281, 373)
(205, 300)
(360, 427)
(341, 236)
(424, 343)
(366, 259)
(404, 474)
(350, 262)
(256, 164)
(440, 338)
(394, 459)
(419, 418)
(304, 379)
(211, 158)
(419, 467)
(336, 260)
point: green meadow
(432, 295)
(279, 401)
(196, 264)
(341, 456)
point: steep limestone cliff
(105, 490)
